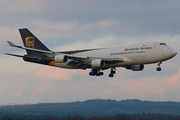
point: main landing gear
(112, 72)
(95, 72)
(159, 66)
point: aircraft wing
(76, 57)
(77, 60)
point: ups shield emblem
(29, 42)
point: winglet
(11, 44)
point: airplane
(132, 57)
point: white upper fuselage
(142, 53)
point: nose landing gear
(159, 66)
(112, 72)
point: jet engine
(136, 67)
(98, 63)
(60, 58)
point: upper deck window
(162, 44)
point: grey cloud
(146, 16)
(125, 18)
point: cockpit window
(162, 43)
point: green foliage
(142, 116)
(92, 109)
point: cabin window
(162, 43)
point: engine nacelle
(60, 58)
(136, 67)
(98, 63)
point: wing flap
(78, 64)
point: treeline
(97, 107)
(142, 116)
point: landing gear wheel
(95, 72)
(111, 75)
(159, 66)
(101, 73)
(158, 69)
(92, 74)
(113, 72)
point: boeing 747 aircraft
(131, 57)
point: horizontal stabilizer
(31, 49)
(23, 56)
(13, 55)
(11, 44)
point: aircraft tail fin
(31, 41)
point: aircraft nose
(169, 52)
(174, 52)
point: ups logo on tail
(29, 42)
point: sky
(64, 25)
